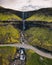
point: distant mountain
(8, 15)
(2, 10)
(44, 11)
(18, 13)
(44, 14)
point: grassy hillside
(9, 34)
(44, 14)
(35, 59)
(6, 54)
(9, 17)
(40, 17)
(39, 37)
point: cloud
(26, 5)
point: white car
(22, 57)
(21, 51)
(22, 54)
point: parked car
(22, 57)
(22, 54)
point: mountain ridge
(45, 11)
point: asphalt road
(26, 46)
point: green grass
(35, 59)
(6, 54)
(9, 17)
(39, 36)
(40, 17)
(9, 34)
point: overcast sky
(26, 5)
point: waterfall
(23, 16)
